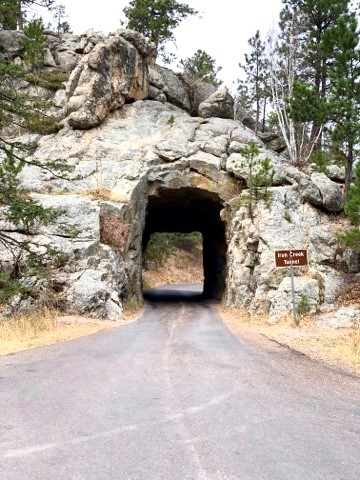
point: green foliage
(326, 92)
(162, 244)
(157, 19)
(25, 113)
(203, 66)
(351, 238)
(171, 120)
(321, 159)
(34, 44)
(302, 306)
(26, 216)
(13, 12)
(260, 177)
(254, 88)
(8, 14)
(22, 211)
(263, 179)
(10, 287)
(49, 79)
(21, 109)
(352, 206)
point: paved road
(174, 396)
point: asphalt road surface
(174, 396)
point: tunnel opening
(189, 210)
(173, 258)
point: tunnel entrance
(189, 210)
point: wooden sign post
(290, 259)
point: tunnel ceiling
(187, 210)
(183, 210)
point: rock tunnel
(191, 209)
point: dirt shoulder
(47, 328)
(339, 348)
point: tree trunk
(19, 16)
(264, 115)
(348, 170)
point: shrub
(303, 306)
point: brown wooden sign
(291, 258)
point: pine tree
(202, 66)
(34, 44)
(351, 238)
(343, 100)
(23, 112)
(259, 178)
(309, 97)
(13, 12)
(157, 19)
(255, 86)
(61, 25)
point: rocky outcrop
(131, 154)
(190, 93)
(115, 71)
(108, 71)
(149, 147)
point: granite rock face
(137, 158)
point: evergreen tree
(34, 44)
(343, 102)
(23, 112)
(201, 65)
(260, 177)
(255, 87)
(157, 19)
(351, 238)
(13, 12)
(309, 97)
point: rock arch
(188, 209)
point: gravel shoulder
(336, 347)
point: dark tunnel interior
(187, 210)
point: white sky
(222, 31)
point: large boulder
(331, 192)
(175, 90)
(317, 189)
(281, 299)
(11, 44)
(111, 74)
(220, 104)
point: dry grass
(42, 328)
(101, 193)
(339, 347)
(94, 194)
(355, 341)
(132, 308)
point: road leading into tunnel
(174, 396)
